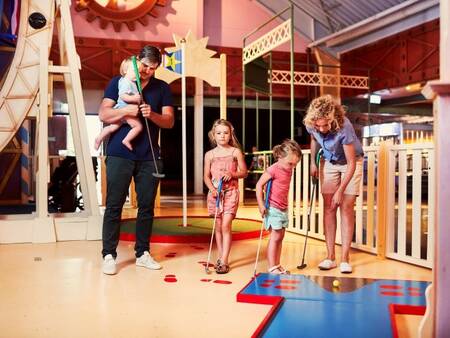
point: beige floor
(58, 290)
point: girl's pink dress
(230, 192)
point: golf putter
(266, 204)
(138, 83)
(315, 182)
(219, 190)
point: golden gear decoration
(116, 12)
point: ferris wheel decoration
(120, 12)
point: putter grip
(268, 188)
(136, 72)
(318, 156)
(219, 190)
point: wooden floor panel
(58, 290)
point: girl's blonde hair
(233, 139)
(284, 149)
(326, 107)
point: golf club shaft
(266, 204)
(309, 220)
(151, 146)
(315, 182)
(211, 241)
(259, 248)
(138, 84)
(219, 190)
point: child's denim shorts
(276, 219)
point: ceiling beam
(303, 22)
(381, 20)
(398, 18)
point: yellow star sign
(172, 62)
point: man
(123, 164)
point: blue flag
(172, 61)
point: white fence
(394, 215)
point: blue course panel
(316, 319)
(313, 308)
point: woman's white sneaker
(109, 265)
(345, 267)
(327, 264)
(147, 261)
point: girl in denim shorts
(287, 155)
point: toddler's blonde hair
(284, 149)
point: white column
(198, 112)
(183, 121)
(198, 137)
(442, 142)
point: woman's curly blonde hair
(325, 106)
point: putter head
(207, 270)
(158, 175)
(301, 266)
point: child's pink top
(281, 179)
(222, 164)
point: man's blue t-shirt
(157, 94)
(332, 143)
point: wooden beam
(375, 22)
(324, 59)
(437, 321)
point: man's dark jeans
(119, 172)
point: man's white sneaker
(327, 264)
(345, 267)
(147, 261)
(109, 265)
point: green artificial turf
(196, 226)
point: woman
(340, 173)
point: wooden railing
(394, 215)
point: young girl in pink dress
(225, 161)
(287, 155)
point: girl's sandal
(223, 268)
(218, 263)
(275, 270)
(283, 271)
(278, 270)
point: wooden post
(43, 227)
(436, 322)
(223, 86)
(75, 100)
(382, 192)
(325, 60)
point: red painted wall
(408, 57)
(101, 58)
(226, 22)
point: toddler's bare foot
(127, 144)
(97, 143)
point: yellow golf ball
(336, 283)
